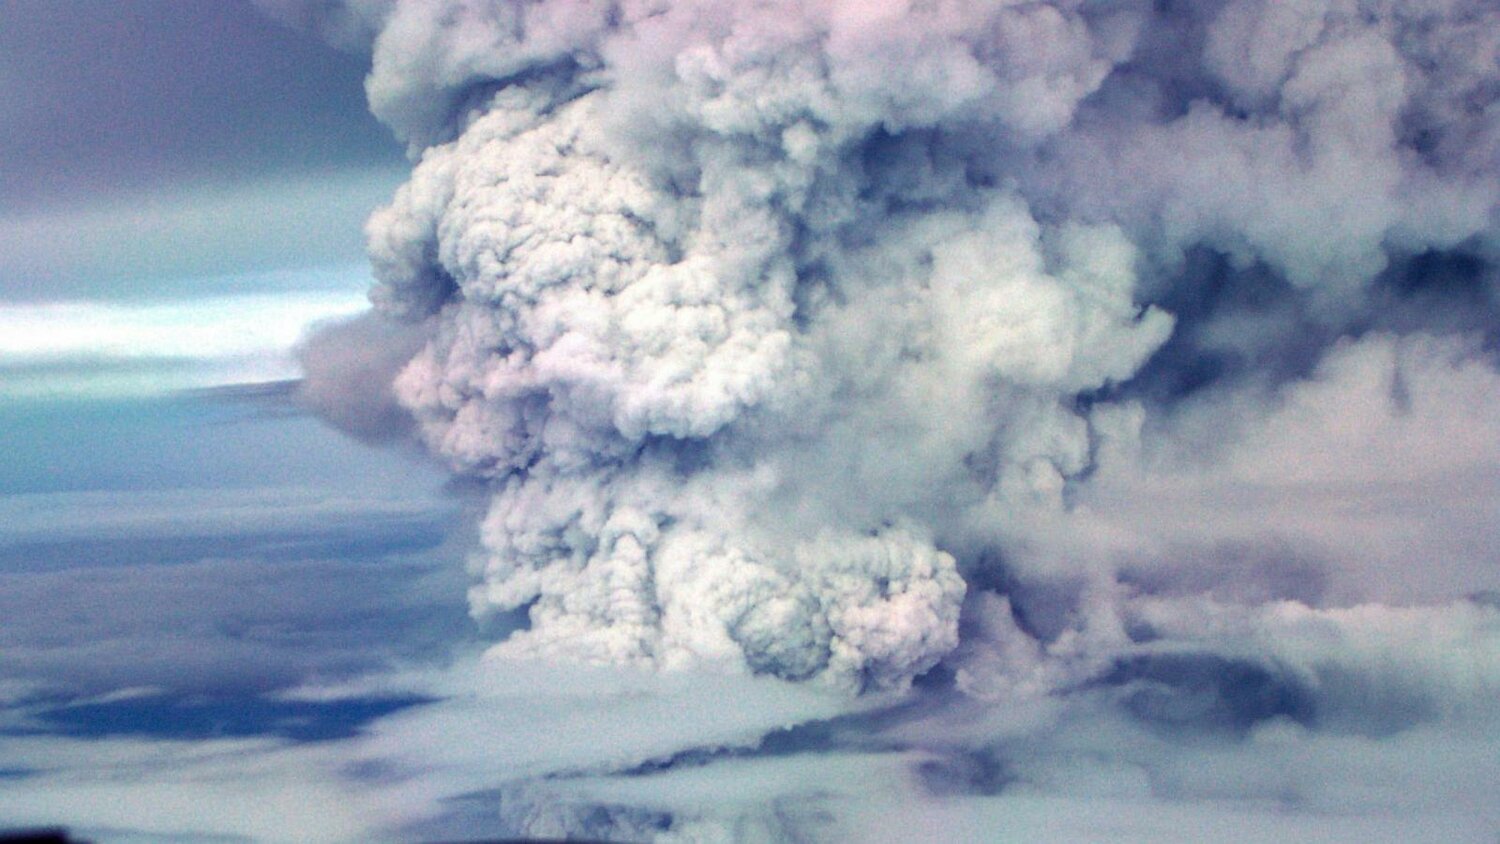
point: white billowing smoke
(768, 322)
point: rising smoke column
(769, 324)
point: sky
(147, 143)
(155, 183)
(667, 420)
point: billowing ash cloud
(787, 332)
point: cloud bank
(85, 347)
(1121, 363)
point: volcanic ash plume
(769, 324)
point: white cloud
(92, 347)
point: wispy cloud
(95, 347)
